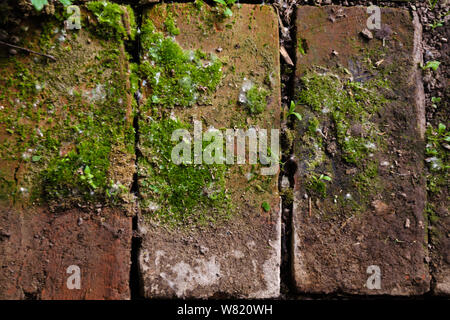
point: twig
(27, 50)
(309, 204)
(279, 18)
(286, 57)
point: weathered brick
(197, 252)
(38, 247)
(359, 187)
(67, 161)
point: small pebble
(203, 250)
(15, 39)
(366, 33)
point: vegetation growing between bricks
(437, 152)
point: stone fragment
(366, 33)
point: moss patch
(437, 157)
(349, 104)
(256, 100)
(65, 122)
(176, 194)
(176, 77)
(113, 20)
(347, 108)
(184, 194)
(170, 26)
(301, 46)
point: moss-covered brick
(197, 64)
(67, 124)
(67, 156)
(358, 148)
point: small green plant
(435, 101)
(318, 184)
(292, 112)
(432, 3)
(438, 22)
(300, 46)
(431, 65)
(39, 4)
(265, 206)
(88, 177)
(437, 147)
(435, 24)
(224, 6)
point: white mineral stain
(188, 278)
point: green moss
(347, 108)
(114, 21)
(61, 136)
(181, 195)
(47, 34)
(256, 100)
(134, 77)
(176, 77)
(83, 171)
(437, 157)
(186, 194)
(265, 206)
(348, 103)
(432, 222)
(301, 43)
(313, 126)
(199, 4)
(317, 184)
(170, 26)
(367, 181)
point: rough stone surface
(337, 237)
(239, 257)
(37, 248)
(49, 110)
(441, 256)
